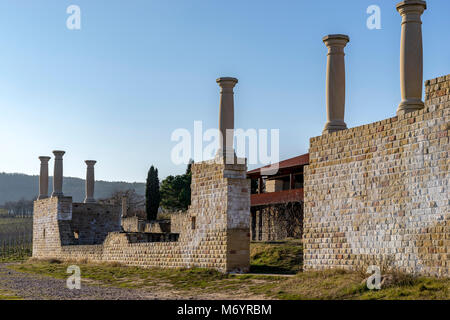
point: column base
(335, 125)
(57, 194)
(89, 200)
(410, 105)
(42, 197)
(227, 157)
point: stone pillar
(90, 181)
(124, 206)
(411, 55)
(58, 174)
(226, 116)
(43, 178)
(335, 88)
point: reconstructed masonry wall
(380, 192)
(214, 233)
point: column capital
(411, 10)
(44, 159)
(90, 163)
(58, 153)
(336, 40)
(227, 82)
(408, 6)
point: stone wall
(213, 233)
(58, 222)
(380, 192)
(137, 224)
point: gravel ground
(38, 287)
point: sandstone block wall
(381, 192)
(213, 233)
(136, 224)
(58, 222)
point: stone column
(411, 55)
(90, 181)
(335, 88)
(124, 206)
(43, 178)
(226, 116)
(58, 174)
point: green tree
(152, 194)
(176, 191)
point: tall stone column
(58, 174)
(90, 181)
(226, 116)
(411, 55)
(43, 178)
(124, 206)
(335, 87)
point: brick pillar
(58, 174)
(335, 88)
(411, 55)
(43, 178)
(90, 181)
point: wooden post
(260, 185)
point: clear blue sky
(116, 89)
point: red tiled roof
(288, 163)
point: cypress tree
(152, 195)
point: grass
(265, 258)
(6, 295)
(344, 285)
(283, 257)
(18, 256)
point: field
(283, 258)
(15, 238)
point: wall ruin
(380, 192)
(213, 233)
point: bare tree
(135, 202)
(20, 208)
(285, 219)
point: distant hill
(14, 186)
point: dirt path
(37, 287)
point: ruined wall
(58, 222)
(381, 191)
(136, 224)
(214, 233)
(92, 222)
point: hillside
(14, 186)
